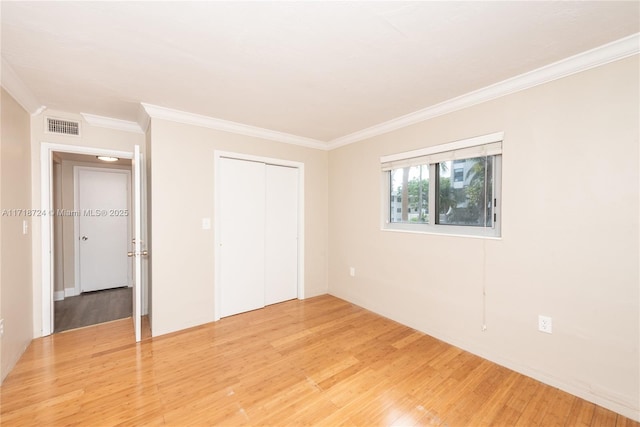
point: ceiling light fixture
(108, 158)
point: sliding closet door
(242, 235)
(281, 268)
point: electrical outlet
(1, 327)
(352, 271)
(545, 324)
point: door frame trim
(46, 207)
(216, 203)
(76, 220)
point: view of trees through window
(410, 194)
(464, 193)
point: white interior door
(103, 228)
(281, 266)
(242, 235)
(139, 246)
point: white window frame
(485, 145)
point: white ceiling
(319, 70)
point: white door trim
(76, 220)
(46, 206)
(216, 203)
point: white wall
(91, 136)
(15, 247)
(58, 224)
(182, 193)
(569, 246)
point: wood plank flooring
(92, 308)
(320, 362)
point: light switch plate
(206, 223)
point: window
(467, 200)
(410, 194)
(452, 188)
(458, 177)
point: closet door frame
(218, 155)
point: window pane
(465, 192)
(409, 198)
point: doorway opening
(92, 281)
(138, 253)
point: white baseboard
(58, 295)
(70, 292)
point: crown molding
(143, 118)
(602, 55)
(19, 91)
(110, 123)
(157, 112)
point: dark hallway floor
(92, 308)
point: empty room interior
(320, 213)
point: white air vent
(63, 127)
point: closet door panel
(281, 254)
(242, 236)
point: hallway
(92, 308)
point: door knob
(85, 238)
(143, 253)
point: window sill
(446, 233)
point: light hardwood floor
(321, 362)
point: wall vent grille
(64, 127)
